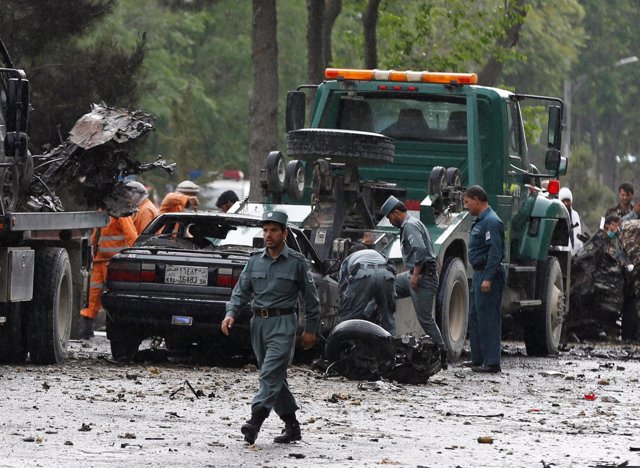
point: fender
(546, 216)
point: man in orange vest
(147, 211)
(184, 197)
(107, 241)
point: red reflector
(128, 276)
(227, 281)
(396, 88)
(148, 276)
(413, 205)
(554, 187)
(382, 87)
(412, 88)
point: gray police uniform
(275, 285)
(486, 251)
(365, 277)
(417, 249)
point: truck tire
(123, 340)
(543, 327)
(275, 172)
(10, 187)
(51, 307)
(454, 180)
(13, 342)
(340, 146)
(437, 180)
(452, 306)
(294, 181)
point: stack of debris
(86, 171)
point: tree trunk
(315, 50)
(490, 73)
(370, 24)
(332, 9)
(263, 104)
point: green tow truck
(424, 137)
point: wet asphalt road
(581, 409)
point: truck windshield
(416, 118)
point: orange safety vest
(147, 212)
(118, 234)
(174, 202)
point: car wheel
(51, 307)
(294, 181)
(453, 177)
(124, 341)
(10, 187)
(340, 146)
(452, 306)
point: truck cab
(447, 133)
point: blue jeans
(422, 299)
(485, 320)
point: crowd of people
(122, 232)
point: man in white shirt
(566, 197)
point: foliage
(66, 77)
(590, 198)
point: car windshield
(202, 232)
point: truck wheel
(51, 307)
(13, 342)
(10, 187)
(275, 172)
(452, 306)
(124, 341)
(294, 181)
(542, 327)
(340, 146)
(437, 180)
(453, 177)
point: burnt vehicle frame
(175, 281)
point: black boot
(291, 431)
(251, 428)
(86, 328)
(444, 359)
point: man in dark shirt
(486, 250)
(625, 191)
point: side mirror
(552, 160)
(17, 105)
(562, 169)
(554, 131)
(295, 114)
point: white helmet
(188, 188)
(138, 190)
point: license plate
(182, 320)
(196, 276)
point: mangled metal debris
(87, 169)
(361, 350)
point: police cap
(391, 204)
(279, 217)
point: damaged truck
(45, 248)
(424, 137)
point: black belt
(266, 313)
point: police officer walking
(274, 276)
(420, 280)
(366, 281)
(486, 251)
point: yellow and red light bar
(395, 75)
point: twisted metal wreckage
(88, 168)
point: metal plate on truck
(196, 276)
